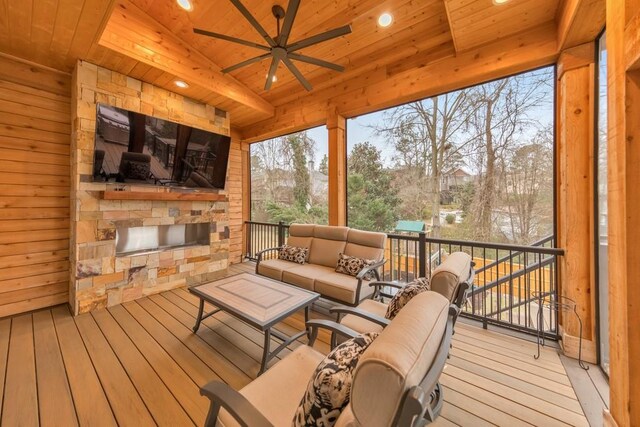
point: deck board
(140, 364)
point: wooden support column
(575, 145)
(336, 126)
(246, 191)
(624, 210)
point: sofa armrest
(260, 255)
(334, 327)
(373, 267)
(223, 396)
(374, 318)
(379, 284)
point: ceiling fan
(279, 48)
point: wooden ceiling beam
(632, 45)
(579, 21)
(375, 91)
(451, 27)
(133, 33)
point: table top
(259, 301)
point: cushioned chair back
(328, 242)
(398, 359)
(300, 235)
(448, 276)
(365, 244)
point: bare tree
(527, 188)
(503, 111)
(426, 137)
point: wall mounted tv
(133, 148)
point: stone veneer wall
(99, 278)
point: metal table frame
(265, 327)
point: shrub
(450, 218)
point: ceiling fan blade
(315, 61)
(253, 22)
(292, 10)
(272, 72)
(319, 38)
(230, 39)
(294, 70)
(247, 62)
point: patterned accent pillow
(405, 294)
(329, 390)
(138, 170)
(353, 265)
(293, 254)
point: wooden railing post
(247, 231)
(422, 254)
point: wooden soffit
(135, 34)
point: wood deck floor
(140, 364)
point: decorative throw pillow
(405, 294)
(293, 253)
(353, 265)
(138, 170)
(329, 390)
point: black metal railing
(509, 279)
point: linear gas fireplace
(141, 240)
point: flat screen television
(138, 149)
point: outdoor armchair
(452, 278)
(393, 385)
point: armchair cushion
(329, 389)
(353, 265)
(404, 296)
(358, 323)
(293, 253)
(276, 393)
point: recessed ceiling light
(273, 79)
(499, 2)
(385, 19)
(181, 84)
(185, 4)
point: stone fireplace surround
(99, 278)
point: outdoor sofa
(325, 244)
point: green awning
(410, 226)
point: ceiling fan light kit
(278, 48)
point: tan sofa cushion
(341, 287)
(447, 276)
(328, 243)
(305, 275)
(331, 232)
(398, 359)
(300, 242)
(301, 230)
(325, 252)
(274, 268)
(365, 244)
(277, 392)
(361, 325)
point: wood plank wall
(35, 133)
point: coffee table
(258, 301)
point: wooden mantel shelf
(145, 195)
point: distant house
(451, 182)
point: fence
(510, 280)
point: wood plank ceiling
(152, 40)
